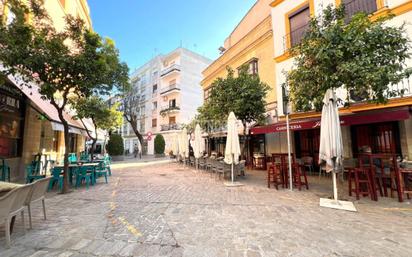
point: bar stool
(299, 173)
(360, 176)
(275, 173)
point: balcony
(170, 89)
(170, 127)
(169, 109)
(173, 69)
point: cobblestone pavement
(169, 210)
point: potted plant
(159, 146)
(115, 147)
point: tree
(362, 55)
(115, 145)
(68, 65)
(159, 144)
(244, 95)
(132, 112)
(101, 115)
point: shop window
(72, 143)
(380, 138)
(299, 23)
(354, 6)
(11, 120)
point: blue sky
(143, 28)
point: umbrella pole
(233, 159)
(335, 188)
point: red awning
(346, 120)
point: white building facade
(169, 90)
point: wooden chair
(299, 173)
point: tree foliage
(115, 146)
(68, 65)
(101, 115)
(244, 95)
(362, 55)
(159, 144)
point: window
(155, 74)
(11, 120)
(252, 67)
(172, 120)
(172, 103)
(154, 106)
(154, 90)
(154, 123)
(354, 6)
(298, 22)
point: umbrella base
(336, 204)
(233, 184)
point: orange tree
(68, 65)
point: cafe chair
(274, 173)
(101, 171)
(56, 177)
(307, 162)
(37, 194)
(6, 202)
(83, 174)
(4, 171)
(33, 172)
(17, 207)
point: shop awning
(346, 120)
(43, 106)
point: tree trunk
(93, 148)
(66, 153)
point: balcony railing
(167, 109)
(170, 89)
(171, 69)
(169, 127)
(294, 37)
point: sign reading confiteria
(347, 120)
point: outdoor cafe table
(76, 165)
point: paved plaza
(170, 210)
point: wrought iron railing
(174, 67)
(169, 127)
(169, 89)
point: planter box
(118, 158)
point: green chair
(101, 171)
(84, 156)
(33, 172)
(72, 158)
(4, 171)
(83, 174)
(57, 177)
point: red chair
(299, 173)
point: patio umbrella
(185, 144)
(198, 147)
(232, 149)
(331, 148)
